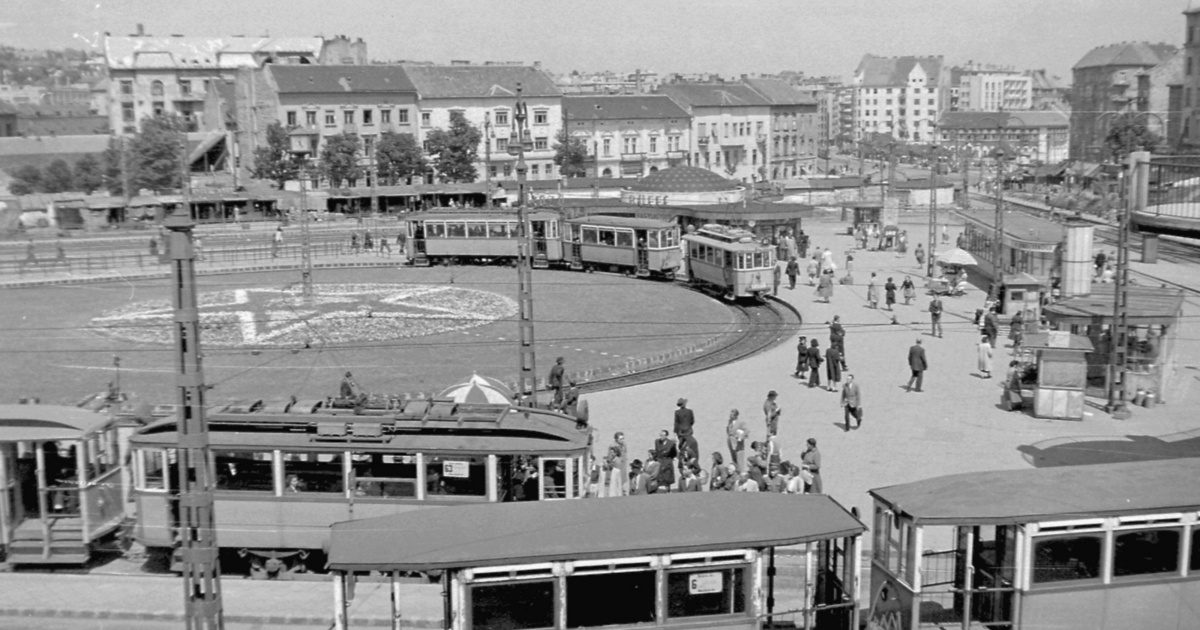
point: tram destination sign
(456, 470)
(706, 583)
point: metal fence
(1173, 187)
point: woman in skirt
(909, 290)
(872, 292)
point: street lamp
(520, 141)
(487, 155)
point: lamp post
(520, 141)
(306, 280)
(933, 173)
(487, 155)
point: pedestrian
(814, 364)
(795, 481)
(384, 245)
(616, 472)
(991, 326)
(918, 365)
(555, 382)
(935, 316)
(354, 242)
(689, 481)
(837, 336)
(153, 246)
(793, 270)
(985, 357)
(639, 481)
(776, 277)
(368, 245)
(945, 234)
(909, 290)
(812, 270)
(801, 357)
(665, 451)
(1100, 259)
(771, 413)
(827, 264)
(919, 254)
(718, 472)
(735, 437)
(684, 420)
(773, 482)
(810, 461)
(833, 367)
(825, 286)
(348, 388)
(746, 483)
(852, 402)
(872, 292)
(689, 453)
(1016, 330)
(276, 241)
(889, 293)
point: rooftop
(622, 107)
(1011, 120)
(713, 94)
(480, 81)
(1142, 54)
(314, 79)
(893, 71)
(780, 92)
(683, 179)
(201, 52)
(1019, 225)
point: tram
(641, 247)
(1103, 547)
(730, 261)
(489, 237)
(680, 561)
(62, 485)
(286, 471)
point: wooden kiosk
(1061, 360)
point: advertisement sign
(706, 583)
(456, 470)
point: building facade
(795, 129)
(730, 128)
(486, 96)
(629, 136)
(993, 91)
(1108, 81)
(1034, 137)
(901, 97)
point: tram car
(452, 237)
(640, 247)
(286, 471)
(731, 261)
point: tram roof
(1040, 494)
(608, 220)
(451, 215)
(546, 531)
(19, 423)
(723, 242)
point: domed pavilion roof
(683, 179)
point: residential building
(486, 95)
(629, 136)
(1048, 91)
(607, 82)
(1034, 136)
(995, 91)
(901, 97)
(1108, 81)
(172, 75)
(1189, 105)
(22, 94)
(46, 120)
(730, 127)
(795, 129)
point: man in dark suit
(664, 453)
(918, 365)
(814, 364)
(684, 420)
(852, 402)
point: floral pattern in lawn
(337, 314)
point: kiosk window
(493, 606)
(706, 591)
(244, 470)
(1146, 551)
(1065, 559)
(591, 599)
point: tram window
(1065, 559)
(1146, 551)
(590, 599)
(460, 475)
(652, 239)
(706, 592)
(435, 229)
(492, 606)
(760, 260)
(244, 470)
(624, 239)
(154, 468)
(313, 472)
(671, 238)
(384, 475)
(477, 229)
(1194, 561)
(591, 236)
(497, 229)
(456, 230)
(607, 237)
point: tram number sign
(706, 583)
(456, 470)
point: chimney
(141, 29)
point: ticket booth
(1022, 293)
(1061, 360)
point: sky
(729, 37)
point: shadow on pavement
(1109, 450)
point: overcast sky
(725, 36)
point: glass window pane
(624, 239)
(497, 229)
(607, 237)
(244, 470)
(1146, 551)
(456, 230)
(435, 229)
(1063, 559)
(477, 229)
(384, 475)
(705, 592)
(591, 599)
(155, 473)
(492, 606)
(591, 236)
(456, 475)
(313, 472)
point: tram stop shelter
(680, 560)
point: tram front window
(512, 606)
(705, 592)
(1065, 559)
(591, 599)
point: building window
(540, 116)
(310, 119)
(501, 117)
(127, 112)
(653, 144)
(291, 118)
(330, 121)
(159, 108)
(607, 147)
(156, 89)
(508, 170)
(348, 117)
(402, 116)
(630, 144)
(426, 119)
(702, 129)
(185, 87)
(502, 145)
(127, 87)
(672, 143)
(368, 117)
(541, 144)
(385, 116)
(534, 170)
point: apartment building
(901, 97)
(730, 128)
(629, 136)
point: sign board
(706, 583)
(456, 470)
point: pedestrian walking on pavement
(889, 294)
(771, 413)
(918, 364)
(735, 437)
(852, 402)
(985, 357)
(825, 286)
(684, 420)
(793, 270)
(810, 461)
(837, 336)
(935, 315)
(908, 289)
(276, 241)
(814, 364)
(812, 270)
(919, 254)
(991, 326)
(801, 357)
(872, 292)
(833, 367)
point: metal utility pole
(520, 141)
(306, 270)
(487, 155)
(1135, 199)
(197, 534)
(933, 173)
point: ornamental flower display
(337, 314)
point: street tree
(274, 161)
(26, 180)
(570, 155)
(156, 153)
(455, 150)
(88, 175)
(57, 177)
(339, 159)
(113, 169)
(398, 157)
(1129, 133)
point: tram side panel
(1152, 603)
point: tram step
(61, 552)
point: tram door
(643, 254)
(11, 495)
(571, 235)
(987, 596)
(539, 231)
